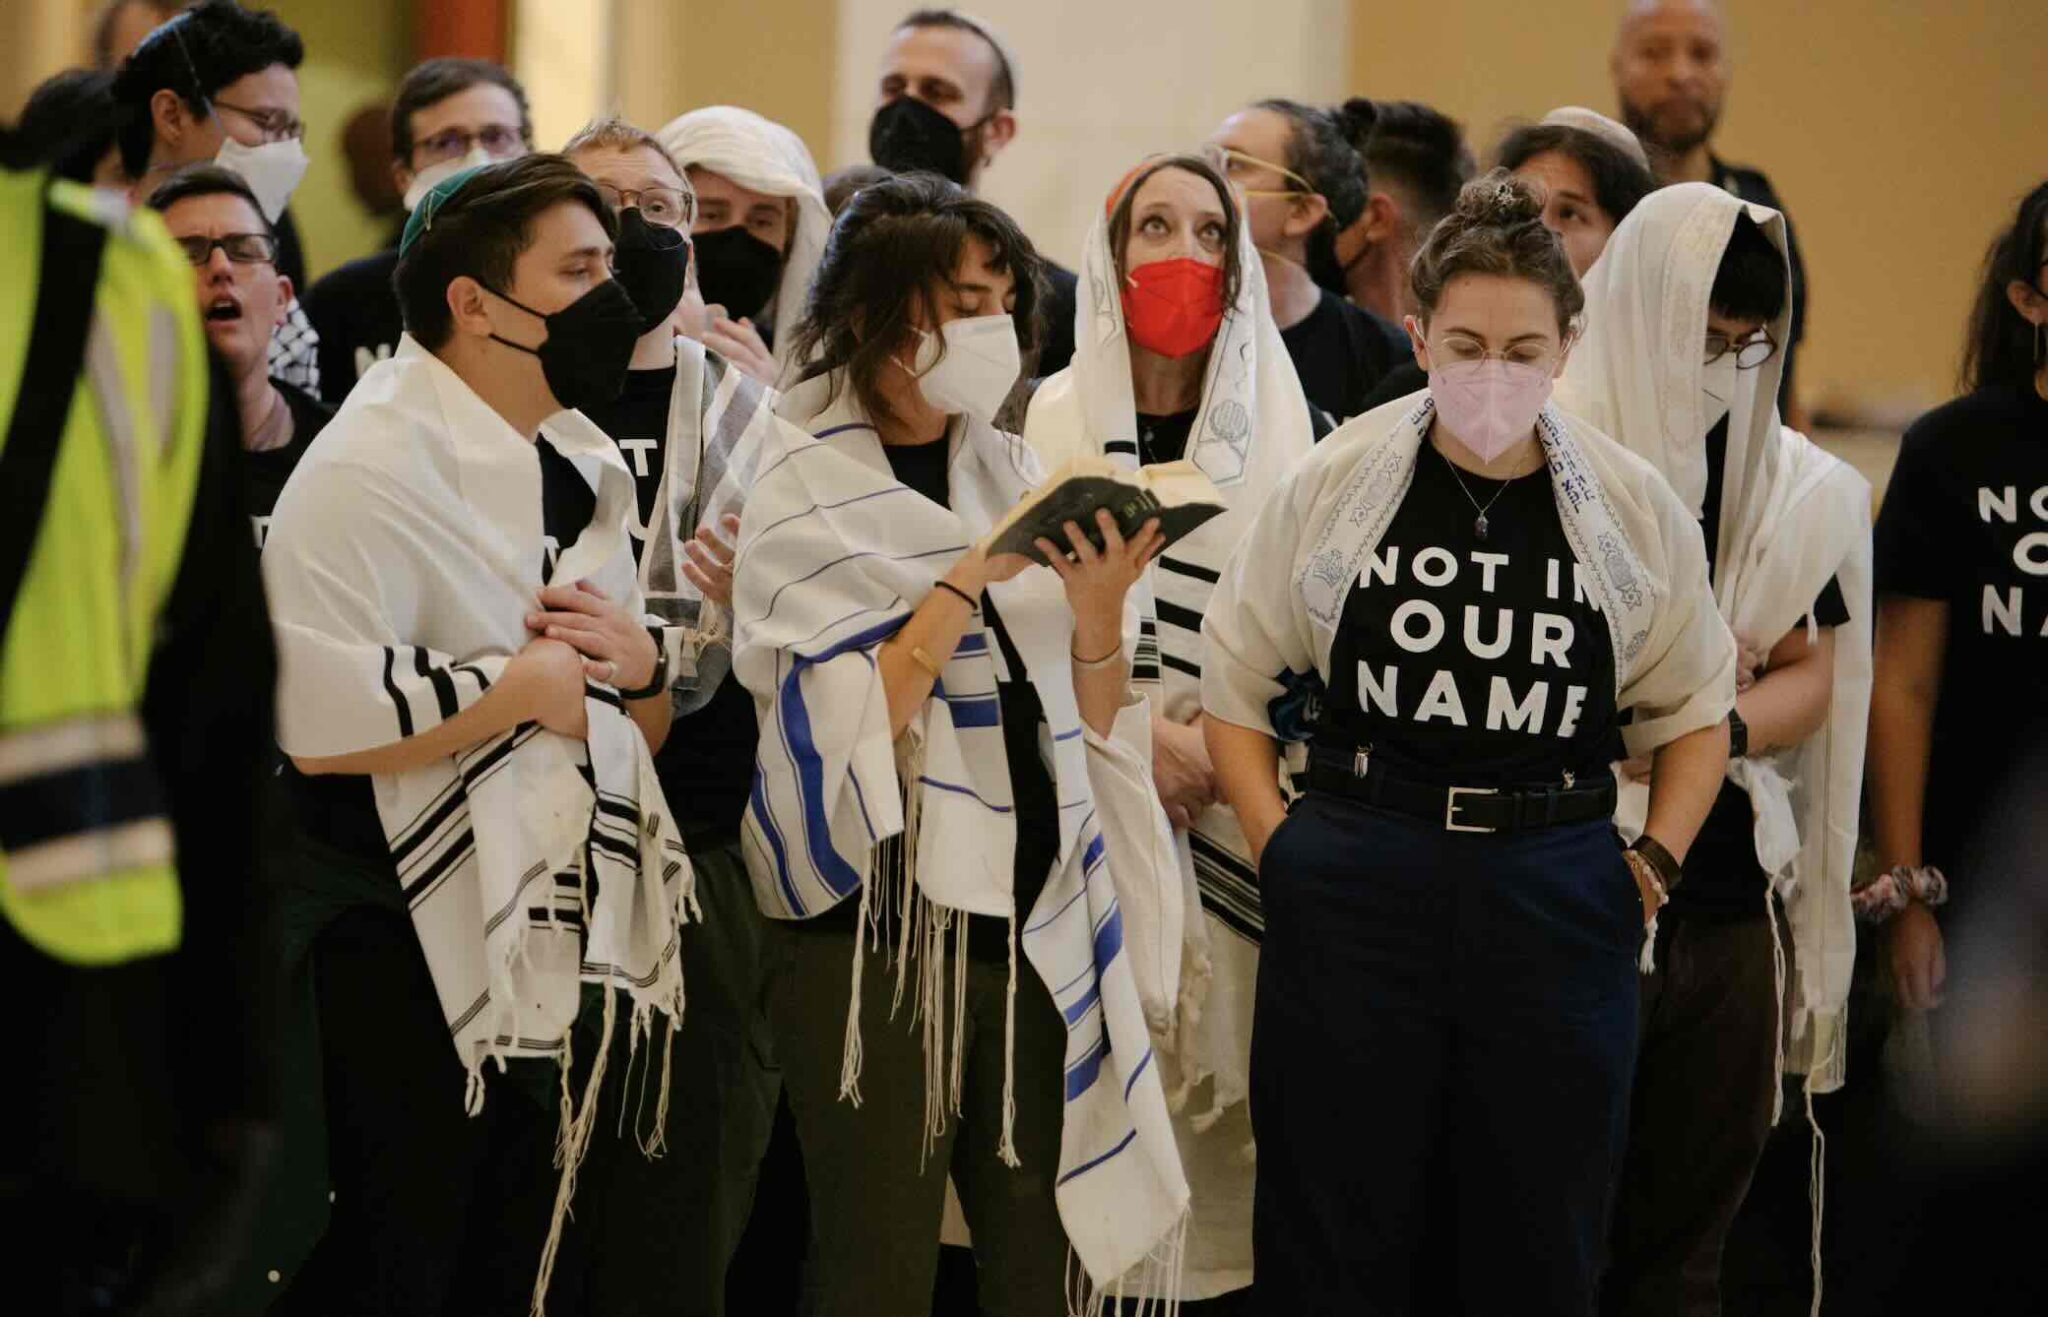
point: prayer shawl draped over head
(1276, 610)
(404, 556)
(1791, 518)
(717, 417)
(835, 553)
(1251, 428)
(763, 156)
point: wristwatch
(657, 683)
(1738, 735)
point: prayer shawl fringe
(403, 559)
(834, 555)
(1251, 428)
(1276, 609)
(1791, 518)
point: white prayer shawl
(834, 555)
(402, 561)
(1250, 429)
(1791, 518)
(1277, 608)
(763, 156)
(717, 417)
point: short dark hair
(1752, 281)
(841, 184)
(1421, 149)
(203, 49)
(2001, 346)
(480, 230)
(69, 122)
(1002, 93)
(1620, 182)
(1127, 196)
(206, 180)
(1318, 151)
(897, 241)
(432, 81)
(1497, 228)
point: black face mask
(651, 262)
(907, 135)
(736, 270)
(589, 343)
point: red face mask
(1173, 307)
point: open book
(1177, 493)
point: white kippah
(1602, 127)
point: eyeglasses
(499, 141)
(1751, 351)
(663, 207)
(242, 248)
(274, 125)
(1232, 164)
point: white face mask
(1717, 390)
(980, 366)
(271, 170)
(424, 181)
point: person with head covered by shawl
(1176, 356)
(954, 786)
(1686, 312)
(1494, 598)
(759, 227)
(470, 702)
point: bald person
(1671, 68)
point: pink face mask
(1489, 404)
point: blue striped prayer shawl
(834, 554)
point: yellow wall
(1900, 135)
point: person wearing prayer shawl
(1494, 598)
(469, 700)
(1176, 356)
(659, 1234)
(759, 228)
(1686, 310)
(954, 778)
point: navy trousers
(1441, 1051)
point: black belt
(1461, 809)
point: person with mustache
(1671, 69)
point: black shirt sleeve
(1914, 542)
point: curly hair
(1496, 227)
(891, 250)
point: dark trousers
(876, 1197)
(1706, 1073)
(1441, 1049)
(435, 1212)
(658, 1234)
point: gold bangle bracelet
(931, 666)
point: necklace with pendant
(1479, 522)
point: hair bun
(1357, 117)
(1499, 199)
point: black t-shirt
(340, 809)
(1404, 379)
(1723, 877)
(1965, 521)
(355, 311)
(1165, 438)
(1341, 351)
(1470, 661)
(264, 473)
(923, 468)
(707, 764)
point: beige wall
(1900, 134)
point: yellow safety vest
(86, 863)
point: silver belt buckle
(1451, 823)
